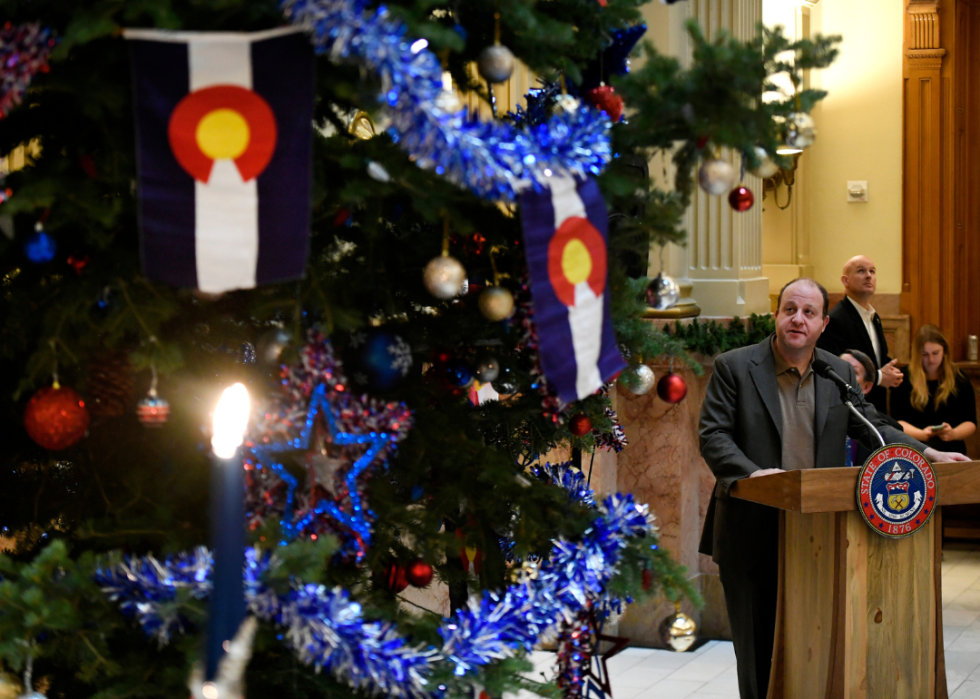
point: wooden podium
(858, 615)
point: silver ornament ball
(444, 277)
(496, 303)
(663, 292)
(638, 380)
(487, 369)
(378, 172)
(271, 345)
(716, 176)
(495, 63)
(565, 104)
(767, 168)
(801, 131)
(678, 631)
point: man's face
(800, 318)
(863, 381)
(860, 276)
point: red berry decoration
(672, 388)
(78, 263)
(56, 417)
(741, 198)
(605, 98)
(441, 355)
(419, 573)
(396, 578)
(580, 425)
(87, 163)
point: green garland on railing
(712, 337)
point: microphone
(825, 370)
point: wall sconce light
(783, 176)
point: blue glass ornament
(106, 300)
(40, 247)
(459, 373)
(378, 360)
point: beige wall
(859, 138)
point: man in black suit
(855, 324)
(765, 411)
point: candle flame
(230, 421)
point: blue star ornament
(614, 59)
(340, 439)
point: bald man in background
(855, 324)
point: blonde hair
(917, 375)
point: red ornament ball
(605, 98)
(580, 425)
(56, 417)
(396, 577)
(672, 388)
(419, 573)
(646, 579)
(741, 198)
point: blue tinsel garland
(327, 629)
(494, 160)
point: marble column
(723, 258)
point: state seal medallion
(896, 491)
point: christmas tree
(406, 379)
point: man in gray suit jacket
(765, 411)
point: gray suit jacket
(741, 432)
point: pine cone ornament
(111, 387)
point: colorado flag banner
(565, 233)
(224, 126)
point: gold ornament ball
(767, 168)
(496, 303)
(801, 131)
(10, 686)
(495, 63)
(444, 277)
(678, 631)
(716, 176)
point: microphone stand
(845, 396)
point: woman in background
(935, 403)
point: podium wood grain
(859, 616)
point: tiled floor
(709, 671)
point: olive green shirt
(796, 401)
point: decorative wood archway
(941, 209)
